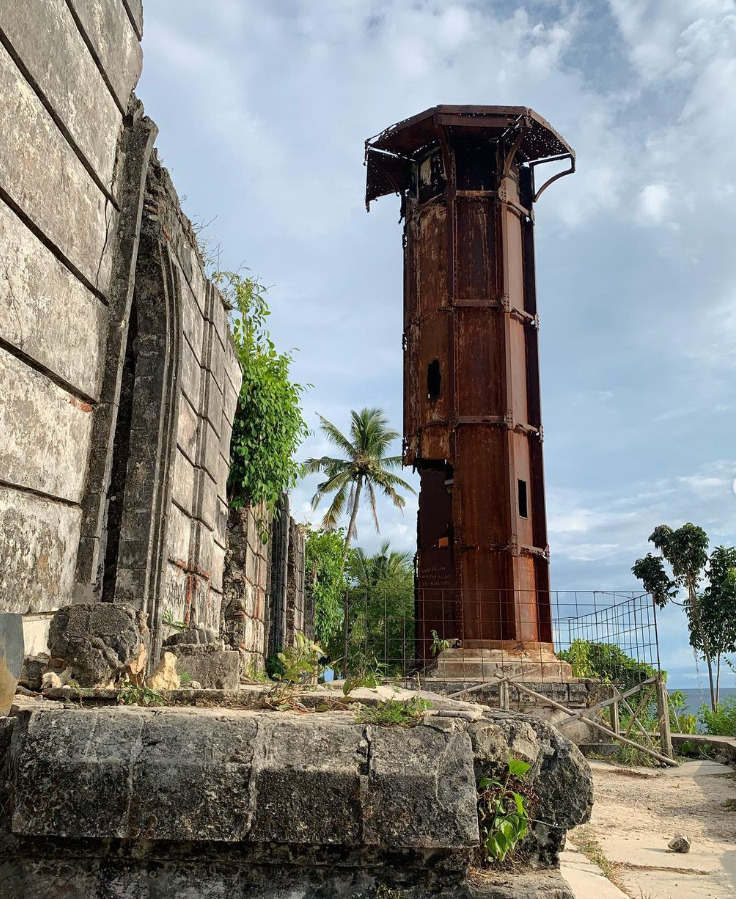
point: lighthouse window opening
(523, 499)
(434, 380)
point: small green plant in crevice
(371, 675)
(133, 694)
(171, 622)
(299, 665)
(437, 646)
(503, 811)
(394, 712)
(185, 678)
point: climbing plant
(269, 424)
(326, 582)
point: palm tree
(387, 566)
(381, 609)
(365, 464)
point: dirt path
(636, 813)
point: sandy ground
(636, 813)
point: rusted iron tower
(472, 414)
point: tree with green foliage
(380, 608)
(365, 464)
(686, 551)
(605, 662)
(651, 572)
(718, 607)
(269, 425)
(326, 583)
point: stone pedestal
(528, 662)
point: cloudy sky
(264, 106)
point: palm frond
(333, 514)
(374, 511)
(389, 479)
(336, 437)
(314, 466)
(338, 481)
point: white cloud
(654, 202)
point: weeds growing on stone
(299, 666)
(370, 676)
(394, 712)
(133, 694)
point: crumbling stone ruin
(267, 805)
(118, 387)
(119, 377)
(264, 600)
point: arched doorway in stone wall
(143, 442)
(121, 553)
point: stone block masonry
(264, 602)
(178, 802)
(60, 205)
(118, 378)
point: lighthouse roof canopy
(388, 154)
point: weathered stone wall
(244, 619)
(217, 802)
(208, 385)
(118, 378)
(67, 71)
(295, 617)
(261, 610)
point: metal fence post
(663, 709)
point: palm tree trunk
(346, 611)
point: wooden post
(663, 709)
(615, 720)
(667, 760)
(503, 696)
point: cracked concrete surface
(636, 813)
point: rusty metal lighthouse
(472, 412)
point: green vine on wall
(269, 423)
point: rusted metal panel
(472, 412)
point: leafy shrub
(299, 665)
(268, 425)
(437, 646)
(721, 722)
(606, 662)
(325, 580)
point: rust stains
(472, 411)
